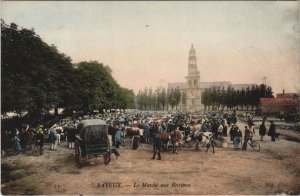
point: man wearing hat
(237, 135)
(231, 132)
(118, 136)
(272, 131)
(246, 137)
(262, 130)
(53, 137)
(157, 144)
(40, 138)
(146, 128)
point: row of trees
(219, 98)
(159, 99)
(213, 98)
(36, 77)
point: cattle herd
(177, 130)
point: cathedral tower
(193, 95)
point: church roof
(224, 84)
(204, 85)
(180, 85)
(240, 86)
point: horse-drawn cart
(92, 141)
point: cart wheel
(78, 157)
(106, 157)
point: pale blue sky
(147, 43)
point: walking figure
(262, 130)
(246, 137)
(272, 131)
(16, 144)
(157, 144)
(39, 143)
(53, 138)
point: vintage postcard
(150, 98)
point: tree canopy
(218, 98)
(36, 77)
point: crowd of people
(152, 124)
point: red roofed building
(286, 95)
(278, 105)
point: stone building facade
(192, 88)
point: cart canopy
(92, 131)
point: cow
(165, 137)
(132, 131)
(196, 127)
(206, 138)
(176, 139)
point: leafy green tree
(32, 72)
(97, 90)
(174, 96)
(205, 98)
(162, 97)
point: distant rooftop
(278, 101)
(180, 85)
(240, 86)
(224, 84)
(286, 95)
(204, 85)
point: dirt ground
(275, 169)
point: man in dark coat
(231, 132)
(40, 139)
(170, 126)
(228, 121)
(224, 131)
(157, 144)
(72, 131)
(234, 119)
(246, 137)
(272, 131)
(53, 137)
(237, 135)
(146, 128)
(262, 130)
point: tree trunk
(55, 111)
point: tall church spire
(192, 63)
(192, 56)
(193, 94)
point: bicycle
(254, 144)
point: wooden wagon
(92, 141)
